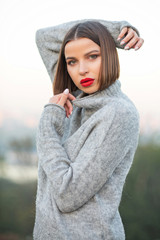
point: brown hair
(110, 63)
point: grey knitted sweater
(83, 164)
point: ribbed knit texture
(83, 164)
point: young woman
(84, 158)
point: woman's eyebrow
(93, 51)
(97, 51)
(70, 58)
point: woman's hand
(63, 99)
(131, 39)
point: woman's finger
(67, 111)
(139, 44)
(63, 98)
(122, 33)
(135, 43)
(70, 107)
(131, 43)
(131, 34)
(71, 97)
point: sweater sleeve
(49, 40)
(74, 183)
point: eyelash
(70, 62)
(92, 57)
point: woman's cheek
(70, 71)
(72, 74)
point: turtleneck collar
(97, 99)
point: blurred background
(25, 88)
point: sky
(25, 86)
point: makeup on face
(86, 82)
(83, 59)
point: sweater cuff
(53, 105)
(126, 24)
(55, 114)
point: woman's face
(83, 59)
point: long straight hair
(110, 68)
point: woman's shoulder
(122, 109)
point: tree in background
(24, 150)
(140, 205)
(139, 208)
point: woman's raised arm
(49, 39)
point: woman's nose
(83, 68)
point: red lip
(86, 80)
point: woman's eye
(93, 56)
(72, 62)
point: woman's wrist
(63, 100)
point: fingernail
(71, 113)
(123, 42)
(136, 48)
(66, 91)
(126, 48)
(118, 38)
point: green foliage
(24, 144)
(23, 149)
(140, 205)
(2, 158)
(17, 207)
